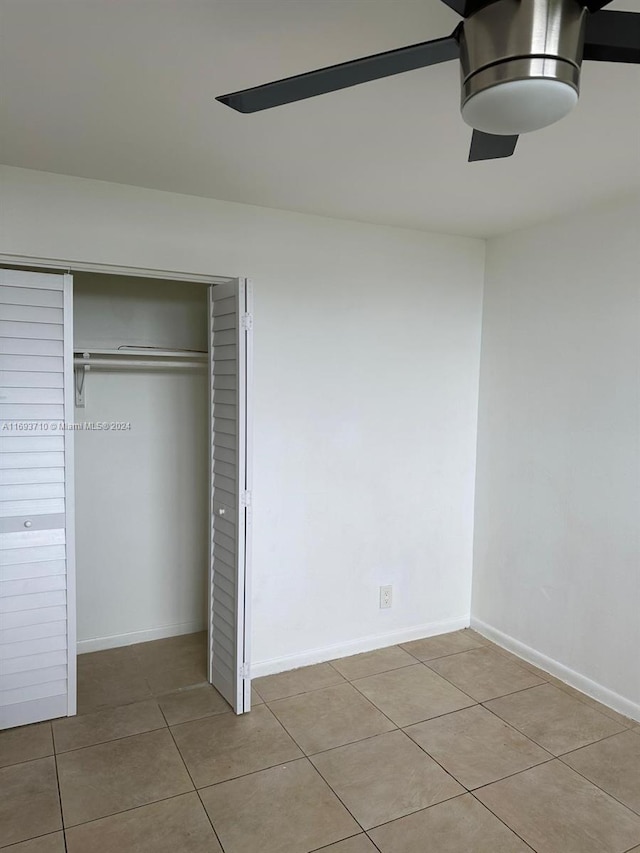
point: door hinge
(246, 322)
(244, 670)
(245, 498)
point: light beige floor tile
(457, 826)
(412, 694)
(177, 825)
(225, 746)
(473, 633)
(29, 803)
(192, 703)
(101, 780)
(592, 703)
(297, 681)
(103, 726)
(25, 744)
(553, 719)
(109, 678)
(331, 717)
(53, 843)
(256, 698)
(554, 809)
(484, 674)
(613, 765)
(372, 663)
(357, 844)
(519, 661)
(444, 644)
(384, 778)
(476, 747)
(287, 809)
(173, 663)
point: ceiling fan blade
(613, 37)
(487, 146)
(343, 75)
(468, 7)
(596, 5)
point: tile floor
(444, 745)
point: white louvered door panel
(230, 328)
(37, 577)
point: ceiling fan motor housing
(520, 64)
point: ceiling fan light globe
(519, 106)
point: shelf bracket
(80, 375)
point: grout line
(546, 748)
(480, 701)
(584, 699)
(515, 773)
(260, 769)
(368, 737)
(591, 743)
(192, 782)
(603, 790)
(27, 760)
(463, 793)
(471, 699)
(381, 672)
(557, 682)
(15, 844)
(384, 823)
(561, 755)
(55, 762)
(303, 692)
(110, 740)
(286, 731)
(446, 655)
(473, 703)
(341, 841)
(371, 737)
(478, 787)
(337, 796)
(307, 758)
(126, 811)
(504, 823)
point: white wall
(142, 493)
(557, 539)
(366, 381)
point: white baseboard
(569, 676)
(98, 644)
(354, 647)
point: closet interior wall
(141, 491)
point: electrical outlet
(386, 597)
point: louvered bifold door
(37, 609)
(231, 321)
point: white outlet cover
(386, 597)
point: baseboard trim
(354, 647)
(569, 676)
(115, 641)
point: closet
(125, 465)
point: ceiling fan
(519, 59)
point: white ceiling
(123, 90)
